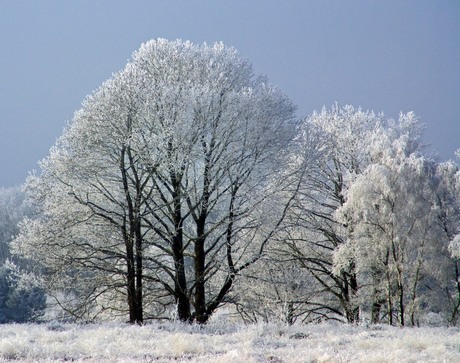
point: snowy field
(221, 343)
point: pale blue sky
(388, 55)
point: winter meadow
(221, 342)
(185, 214)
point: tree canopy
(160, 177)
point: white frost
(217, 342)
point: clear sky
(387, 55)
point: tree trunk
(455, 310)
(200, 297)
(389, 299)
(131, 231)
(401, 303)
(131, 283)
(180, 283)
(200, 263)
(139, 277)
(200, 254)
(180, 278)
(353, 282)
(349, 290)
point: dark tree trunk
(401, 303)
(180, 283)
(201, 315)
(134, 273)
(132, 235)
(200, 261)
(200, 297)
(353, 282)
(349, 291)
(456, 307)
(131, 285)
(139, 277)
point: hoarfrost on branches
(153, 193)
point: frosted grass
(227, 343)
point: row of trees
(371, 235)
(185, 183)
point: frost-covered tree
(89, 195)
(333, 145)
(388, 212)
(155, 190)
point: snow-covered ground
(221, 343)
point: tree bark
(180, 283)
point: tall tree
(224, 135)
(154, 188)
